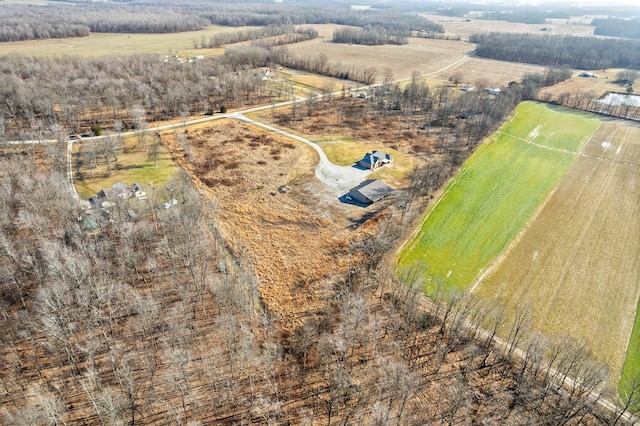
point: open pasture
(457, 26)
(103, 44)
(490, 73)
(422, 55)
(577, 264)
(494, 195)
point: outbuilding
(370, 191)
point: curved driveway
(338, 179)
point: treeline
(300, 34)
(21, 22)
(261, 14)
(370, 36)
(559, 51)
(588, 101)
(76, 92)
(614, 27)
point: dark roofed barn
(370, 191)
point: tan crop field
(103, 44)
(422, 55)
(490, 72)
(456, 26)
(577, 263)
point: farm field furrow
(495, 194)
(577, 265)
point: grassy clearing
(631, 367)
(104, 44)
(133, 165)
(495, 194)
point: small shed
(374, 159)
(370, 191)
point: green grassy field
(133, 165)
(494, 195)
(631, 368)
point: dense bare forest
(559, 51)
(616, 27)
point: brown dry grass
(490, 73)
(561, 267)
(293, 250)
(348, 119)
(422, 55)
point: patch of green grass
(133, 165)
(346, 152)
(631, 368)
(539, 124)
(493, 196)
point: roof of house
(374, 157)
(373, 189)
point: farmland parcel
(539, 218)
(496, 192)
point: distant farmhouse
(374, 159)
(108, 197)
(370, 191)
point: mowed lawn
(577, 266)
(494, 195)
(132, 165)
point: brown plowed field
(578, 263)
(422, 55)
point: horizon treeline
(586, 53)
(33, 22)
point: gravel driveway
(337, 179)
